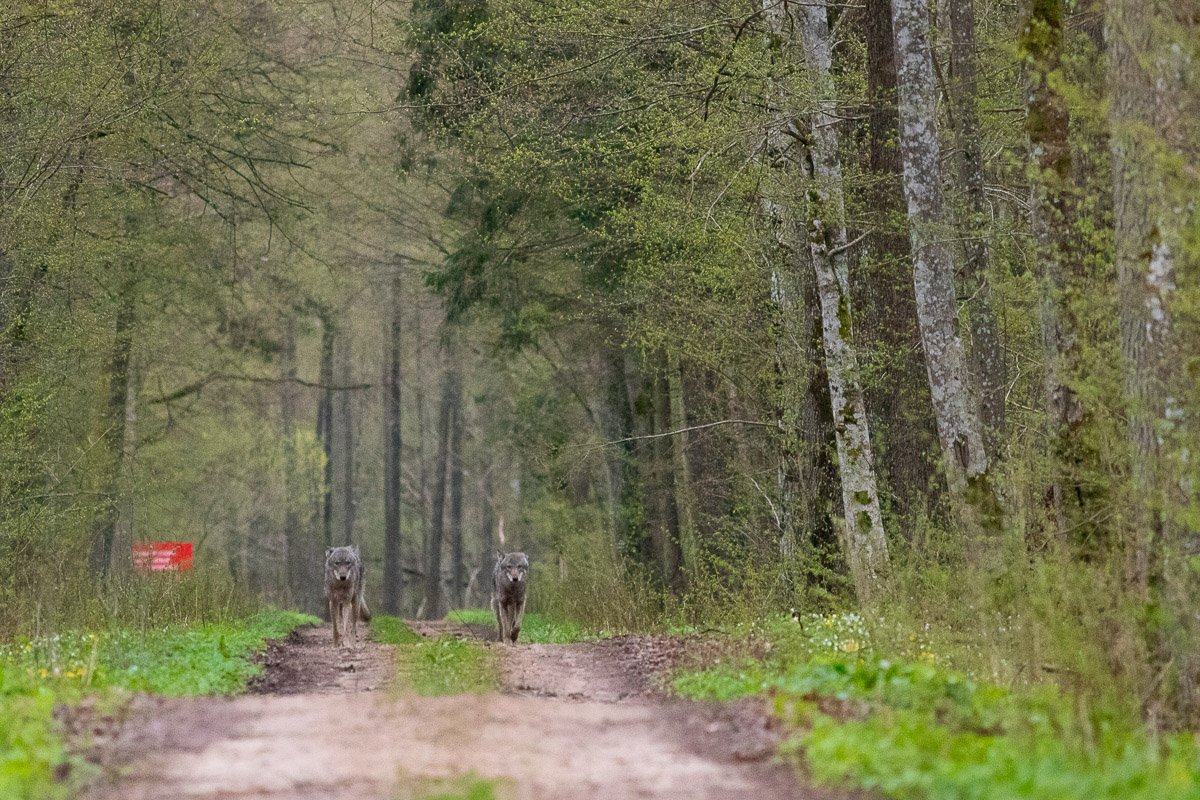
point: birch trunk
(958, 421)
(886, 312)
(865, 543)
(818, 162)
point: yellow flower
(851, 646)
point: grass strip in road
(463, 787)
(38, 674)
(441, 666)
(916, 730)
(535, 628)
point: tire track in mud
(572, 722)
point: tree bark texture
(393, 537)
(1146, 74)
(667, 546)
(433, 555)
(325, 423)
(104, 555)
(986, 351)
(1059, 259)
(865, 543)
(886, 312)
(458, 570)
(960, 429)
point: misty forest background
(716, 308)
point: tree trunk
(668, 551)
(392, 534)
(104, 555)
(302, 552)
(1059, 262)
(865, 544)
(325, 423)
(458, 568)
(344, 438)
(1145, 70)
(487, 537)
(986, 352)
(433, 555)
(886, 314)
(681, 472)
(956, 412)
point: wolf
(345, 578)
(510, 581)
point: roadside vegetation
(903, 723)
(40, 673)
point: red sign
(162, 556)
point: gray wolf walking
(345, 579)
(510, 580)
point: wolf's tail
(364, 613)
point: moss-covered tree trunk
(1059, 258)
(986, 351)
(864, 541)
(960, 428)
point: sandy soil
(573, 721)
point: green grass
(392, 630)
(915, 730)
(535, 628)
(37, 674)
(463, 787)
(446, 665)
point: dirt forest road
(572, 721)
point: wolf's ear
(328, 552)
(499, 556)
(357, 552)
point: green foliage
(178, 659)
(535, 628)
(918, 731)
(30, 748)
(37, 674)
(208, 659)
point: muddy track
(572, 721)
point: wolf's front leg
(347, 615)
(334, 614)
(518, 615)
